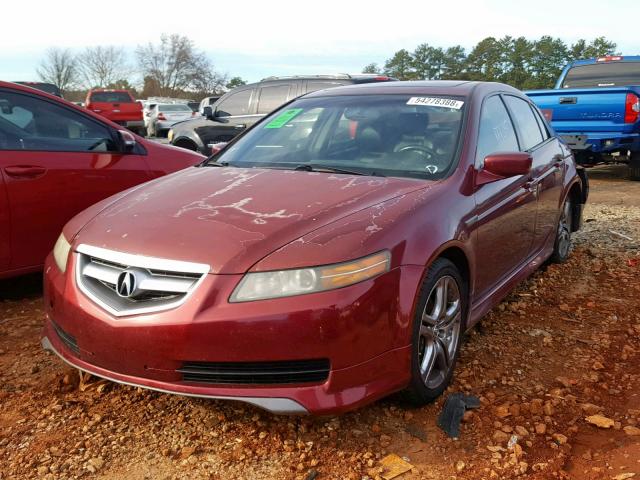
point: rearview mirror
(208, 112)
(128, 140)
(504, 165)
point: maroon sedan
(333, 254)
(56, 159)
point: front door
(547, 169)
(232, 115)
(505, 209)
(55, 163)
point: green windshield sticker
(284, 118)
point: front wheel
(437, 331)
(562, 245)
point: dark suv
(241, 107)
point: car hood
(230, 218)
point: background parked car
(595, 107)
(56, 159)
(163, 116)
(241, 107)
(118, 106)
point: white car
(163, 116)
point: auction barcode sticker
(436, 102)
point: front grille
(256, 373)
(68, 339)
(159, 284)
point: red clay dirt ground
(564, 346)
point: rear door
(273, 95)
(314, 85)
(5, 227)
(547, 168)
(505, 209)
(55, 162)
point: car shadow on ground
(22, 287)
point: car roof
(418, 87)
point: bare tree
(103, 65)
(59, 67)
(175, 65)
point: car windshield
(604, 74)
(111, 97)
(391, 135)
(175, 108)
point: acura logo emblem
(126, 285)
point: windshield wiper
(216, 164)
(310, 167)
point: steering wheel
(421, 149)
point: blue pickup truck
(595, 108)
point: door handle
(240, 126)
(25, 171)
(558, 160)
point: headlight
(285, 283)
(61, 252)
(170, 135)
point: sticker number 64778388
(436, 102)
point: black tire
(634, 167)
(562, 243)
(188, 144)
(428, 383)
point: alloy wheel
(564, 230)
(439, 331)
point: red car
(56, 159)
(118, 106)
(333, 254)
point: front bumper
(364, 330)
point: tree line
(522, 63)
(173, 67)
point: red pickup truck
(118, 106)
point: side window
(235, 104)
(29, 123)
(272, 97)
(523, 117)
(496, 130)
(312, 86)
(541, 124)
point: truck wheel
(437, 330)
(562, 244)
(634, 167)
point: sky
(256, 39)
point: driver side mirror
(127, 139)
(504, 165)
(208, 112)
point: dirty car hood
(229, 218)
